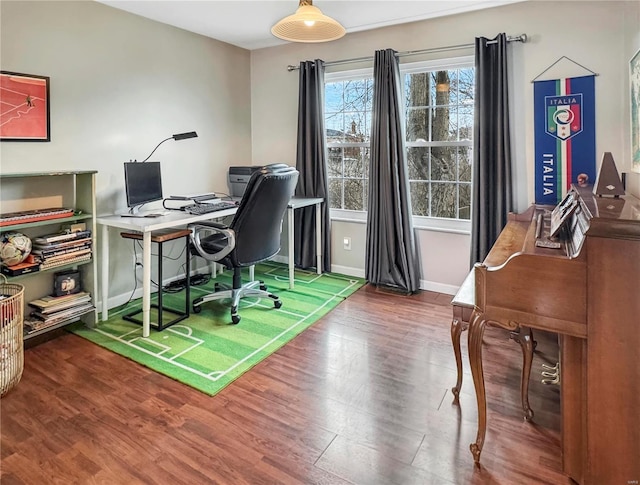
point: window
(439, 106)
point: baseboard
(438, 287)
(347, 270)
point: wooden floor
(362, 397)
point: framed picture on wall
(25, 107)
(634, 82)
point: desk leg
(319, 238)
(104, 234)
(476, 332)
(146, 283)
(291, 229)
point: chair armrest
(206, 228)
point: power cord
(181, 284)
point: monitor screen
(143, 182)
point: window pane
(354, 195)
(419, 198)
(465, 122)
(355, 127)
(418, 124)
(334, 127)
(444, 129)
(333, 97)
(443, 200)
(354, 163)
(442, 85)
(418, 163)
(356, 95)
(335, 193)
(417, 89)
(443, 163)
(465, 201)
(334, 163)
(464, 164)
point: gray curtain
(391, 259)
(492, 197)
(311, 163)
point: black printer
(238, 177)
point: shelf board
(75, 319)
(46, 174)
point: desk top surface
(172, 219)
(179, 218)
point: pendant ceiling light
(308, 24)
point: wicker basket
(11, 336)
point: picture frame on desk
(26, 114)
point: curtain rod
(518, 38)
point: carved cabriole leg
(457, 327)
(525, 338)
(476, 332)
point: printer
(238, 177)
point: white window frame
(461, 226)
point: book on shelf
(20, 268)
(50, 300)
(66, 255)
(49, 304)
(55, 249)
(60, 237)
(70, 259)
(63, 315)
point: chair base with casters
(252, 289)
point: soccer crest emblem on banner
(564, 115)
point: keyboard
(198, 209)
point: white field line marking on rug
(218, 374)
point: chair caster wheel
(197, 309)
(277, 303)
(263, 287)
(235, 319)
(216, 287)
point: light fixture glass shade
(308, 24)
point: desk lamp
(179, 136)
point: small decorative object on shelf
(11, 335)
(14, 248)
(66, 282)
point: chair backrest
(258, 221)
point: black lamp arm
(153, 151)
(179, 136)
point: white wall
(593, 34)
(119, 85)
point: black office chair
(253, 235)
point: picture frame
(66, 283)
(25, 115)
(634, 86)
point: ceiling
(247, 23)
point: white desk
(175, 219)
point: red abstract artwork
(24, 107)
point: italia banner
(565, 136)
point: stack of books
(55, 250)
(53, 310)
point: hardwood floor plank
(362, 397)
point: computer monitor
(143, 183)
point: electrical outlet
(347, 243)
